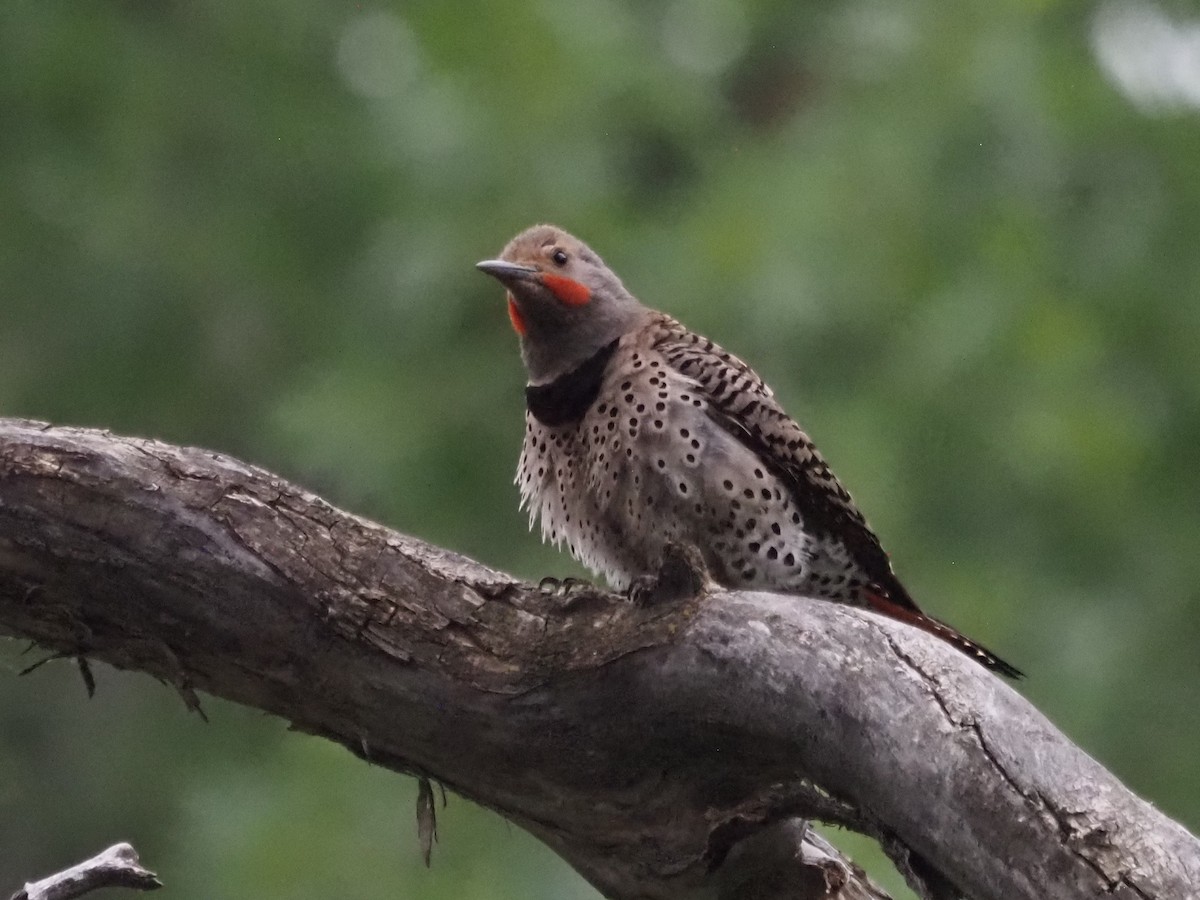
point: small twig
(33, 667)
(85, 672)
(426, 819)
(118, 866)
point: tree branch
(662, 749)
(118, 866)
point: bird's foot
(570, 590)
(561, 586)
(681, 574)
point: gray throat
(544, 355)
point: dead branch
(118, 866)
(666, 749)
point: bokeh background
(961, 240)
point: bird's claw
(681, 574)
(643, 590)
(563, 587)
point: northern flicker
(640, 432)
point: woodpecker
(639, 432)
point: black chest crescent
(564, 400)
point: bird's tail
(880, 602)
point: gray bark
(116, 867)
(664, 749)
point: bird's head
(563, 301)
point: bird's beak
(506, 272)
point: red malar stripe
(514, 316)
(567, 290)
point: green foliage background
(964, 258)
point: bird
(640, 433)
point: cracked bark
(665, 750)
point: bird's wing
(742, 404)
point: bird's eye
(559, 256)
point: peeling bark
(665, 749)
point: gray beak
(506, 272)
